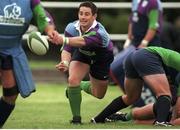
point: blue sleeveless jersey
(15, 17)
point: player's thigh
(99, 87)
(7, 73)
(133, 89)
(7, 78)
(158, 83)
(77, 71)
(143, 113)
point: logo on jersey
(12, 15)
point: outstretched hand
(55, 38)
(63, 66)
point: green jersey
(169, 57)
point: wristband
(65, 40)
(66, 63)
(127, 42)
(144, 42)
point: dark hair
(91, 5)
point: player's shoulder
(155, 4)
(71, 27)
(35, 2)
(101, 30)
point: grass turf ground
(48, 108)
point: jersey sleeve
(39, 15)
(153, 19)
(97, 37)
(93, 38)
(153, 13)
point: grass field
(48, 108)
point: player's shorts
(99, 64)
(141, 63)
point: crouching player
(146, 66)
(146, 115)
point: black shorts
(141, 63)
(6, 62)
(99, 64)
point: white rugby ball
(37, 43)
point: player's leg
(116, 68)
(133, 90)
(99, 87)
(143, 113)
(145, 122)
(10, 90)
(160, 86)
(77, 71)
(99, 75)
(149, 67)
(121, 101)
(138, 114)
(176, 113)
(176, 108)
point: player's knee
(10, 94)
(74, 81)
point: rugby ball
(37, 43)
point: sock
(116, 105)
(86, 87)
(5, 111)
(74, 96)
(129, 116)
(163, 106)
(154, 109)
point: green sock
(129, 116)
(86, 87)
(74, 96)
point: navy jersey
(141, 19)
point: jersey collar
(77, 26)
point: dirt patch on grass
(49, 76)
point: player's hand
(143, 44)
(53, 34)
(127, 43)
(63, 66)
(56, 39)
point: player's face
(86, 18)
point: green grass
(48, 108)
(42, 64)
